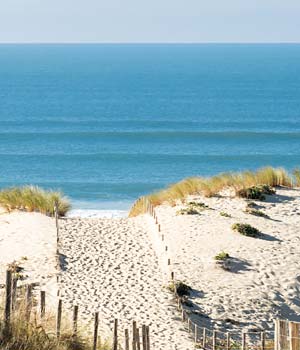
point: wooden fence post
(138, 340)
(227, 341)
(75, 320)
(243, 341)
(96, 323)
(43, 303)
(14, 292)
(7, 308)
(263, 340)
(58, 319)
(115, 344)
(28, 302)
(204, 338)
(196, 334)
(134, 335)
(214, 339)
(189, 325)
(126, 339)
(148, 337)
(144, 337)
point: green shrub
(246, 230)
(199, 206)
(187, 211)
(255, 212)
(226, 215)
(181, 288)
(222, 256)
(253, 192)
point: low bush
(187, 211)
(253, 192)
(222, 256)
(255, 212)
(226, 215)
(182, 289)
(246, 230)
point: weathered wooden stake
(126, 339)
(189, 325)
(14, 293)
(166, 248)
(43, 303)
(115, 343)
(144, 337)
(148, 337)
(138, 340)
(196, 334)
(7, 308)
(134, 335)
(96, 324)
(28, 306)
(243, 341)
(58, 319)
(169, 261)
(160, 230)
(214, 339)
(75, 320)
(204, 338)
(227, 341)
(263, 340)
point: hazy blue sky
(149, 21)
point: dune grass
(39, 334)
(296, 174)
(211, 186)
(33, 198)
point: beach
(118, 267)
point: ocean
(109, 123)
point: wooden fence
(287, 335)
(35, 307)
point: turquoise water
(108, 123)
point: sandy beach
(118, 266)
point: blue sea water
(108, 123)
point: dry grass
(214, 185)
(32, 198)
(296, 174)
(38, 334)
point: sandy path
(111, 267)
(264, 281)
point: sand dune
(119, 267)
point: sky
(148, 21)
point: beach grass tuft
(34, 199)
(264, 178)
(246, 230)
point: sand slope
(29, 238)
(264, 280)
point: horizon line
(149, 43)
